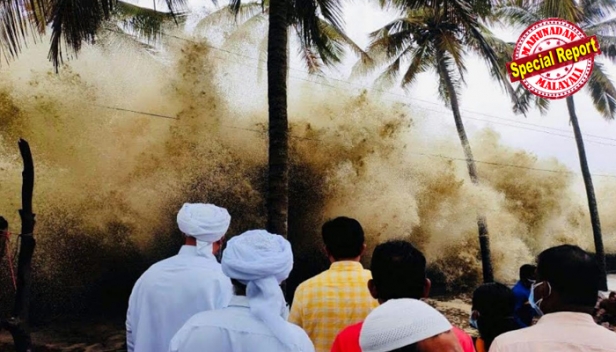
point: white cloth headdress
(261, 261)
(400, 322)
(207, 223)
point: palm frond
(335, 34)
(178, 6)
(228, 14)
(309, 57)
(496, 53)
(388, 78)
(400, 25)
(607, 44)
(601, 27)
(596, 10)
(331, 10)
(145, 23)
(514, 15)
(602, 92)
(20, 20)
(527, 99)
(73, 23)
(448, 43)
(304, 14)
(421, 61)
(565, 9)
(389, 44)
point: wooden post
(17, 325)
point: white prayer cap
(205, 222)
(261, 261)
(400, 322)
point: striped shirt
(327, 303)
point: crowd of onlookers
(193, 303)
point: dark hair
(572, 272)
(238, 288)
(343, 237)
(495, 303)
(398, 270)
(612, 294)
(409, 348)
(527, 271)
(3, 224)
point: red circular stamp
(553, 58)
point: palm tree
(437, 38)
(250, 17)
(594, 17)
(72, 23)
(318, 26)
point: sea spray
(109, 182)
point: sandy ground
(108, 337)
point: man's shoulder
(466, 341)
(516, 336)
(519, 288)
(351, 331)
(301, 336)
(208, 318)
(313, 281)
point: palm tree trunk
(590, 191)
(484, 240)
(18, 324)
(278, 176)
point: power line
(409, 98)
(546, 131)
(414, 153)
(405, 104)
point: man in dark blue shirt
(524, 313)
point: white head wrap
(261, 261)
(207, 223)
(400, 322)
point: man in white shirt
(564, 296)
(173, 290)
(257, 262)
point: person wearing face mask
(524, 313)
(564, 295)
(492, 313)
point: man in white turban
(407, 325)
(173, 290)
(257, 262)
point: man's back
(561, 332)
(233, 329)
(524, 313)
(330, 301)
(169, 293)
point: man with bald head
(173, 290)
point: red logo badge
(553, 58)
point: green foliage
(595, 17)
(317, 25)
(438, 29)
(72, 22)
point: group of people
(193, 303)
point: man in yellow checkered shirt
(330, 301)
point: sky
(483, 102)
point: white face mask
(531, 299)
(473, 322)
